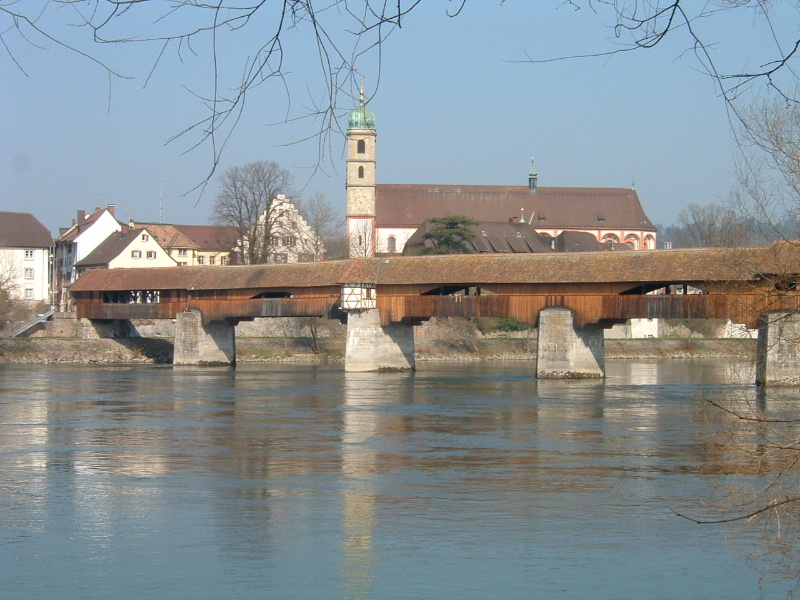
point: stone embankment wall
(299, 350)
(280, 340)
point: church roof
(409, 205)
(361, 118)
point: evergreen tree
(450, 234)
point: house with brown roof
(76, 242)
(25, 250)
(192, 245)
(382, 218)
(126, 250)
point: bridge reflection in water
(571, 297)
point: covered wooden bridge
(595, 290)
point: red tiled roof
(217, 238)
(409, 205)
(168, 236)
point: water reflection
(293, 482)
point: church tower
(360, 184)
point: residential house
(126, 250)
(216, 244)
(25, 251)
(291, 238)
(192, 245)
(77, 242)
(381, 218)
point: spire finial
(533, 178)
(361, 90)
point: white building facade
(25, 250)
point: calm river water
(281, 482)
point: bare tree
(324, 221)
(254, 32)
(712, 225)
(346, 32)
(9, 287)
(645, 24)
(769, 168)
(361, 240)
(244, 202)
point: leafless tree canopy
(644, 24)
(9, 274)
(255, 31)
(344, 33)
(246, 194)
(712, 225)
(324, 221)
(769, 168)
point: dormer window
(519, 234)
(483, 233)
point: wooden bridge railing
(211, 309)
(588, 308)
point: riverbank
(43, 350)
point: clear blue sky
(454, 105)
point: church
(382, 218)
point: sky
(455, 100)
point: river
(293, 482)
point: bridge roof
(320, 274)
(683, 265)
(686, 265)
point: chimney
(81, 216)
(112, 209)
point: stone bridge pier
(373, 347)
(778, 355)
(203, 345)
(565, 352)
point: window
(362, 147)
(361, 172)
(28, 293)
(212, 260)
(483, 233)
(289, 240)
(28, 273)
(181, 264)
(392, 244)
(182, 252)
(136, 254)
(28, 254)
(223, 260)
(145, 237)
(279, 258)
(151, 254)
(201, 260)
(519, 234)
